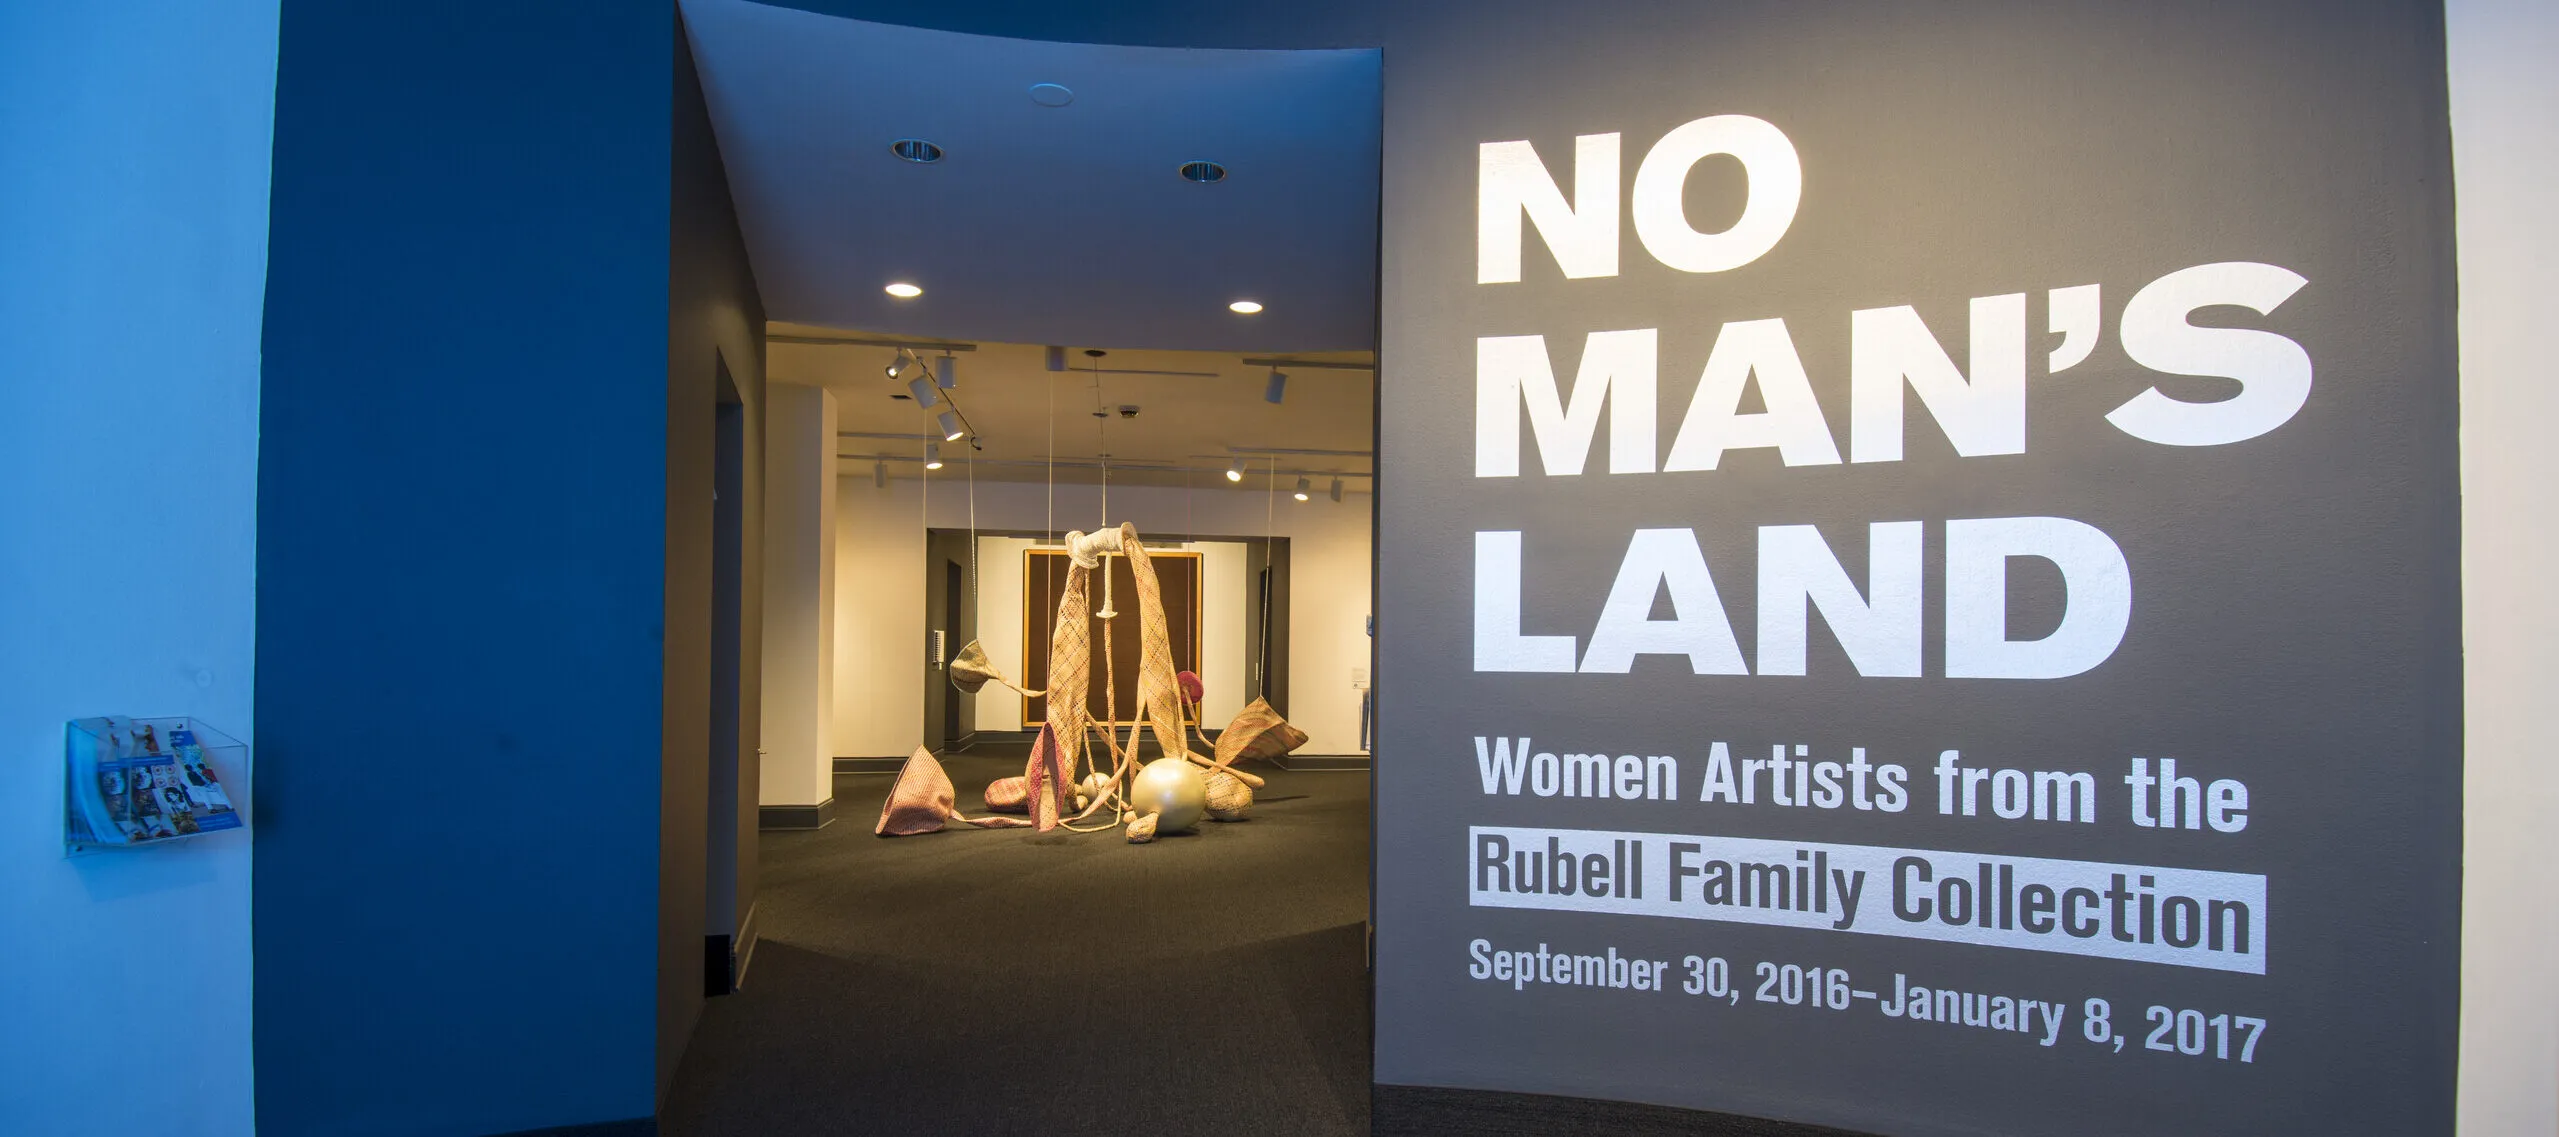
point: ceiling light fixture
(1235, 470)
(922, 389)
(950, 426)
(916, 150)
(1304, 487)
(880, 474)
(1203, 171)
(946, 372)
(1337, 489)
(1277, 389)
(903, 290)
(1051, 94)
(932, 456)
(1245, 307)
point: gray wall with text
(2206, 514)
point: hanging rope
(1052, 461)
(1111, 695)
(1049, 530)
(1102, 436)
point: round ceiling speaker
(916, 150)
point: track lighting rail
(1116, 466)
(1260, 451)
(866, 341)
(1312, 364)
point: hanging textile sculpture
(1162, 796)
(1058, 755)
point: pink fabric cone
(1047, 784)
(922, 801)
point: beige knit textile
(1051, 777)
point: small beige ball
(1090, 788)
(1173, 790)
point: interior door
(952, 616)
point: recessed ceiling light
(1051, 95)
(916, 150)
(904, 291)
(1245, 307)
(1205, 173)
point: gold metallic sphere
(1172, 789)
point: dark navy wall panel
(462, 490)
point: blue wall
(461, 573)
(133, 231)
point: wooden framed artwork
(1044, 572)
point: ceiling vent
(916, 150)
(1205, 173)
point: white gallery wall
(134, 155)
(880, 620)
(2505, 153)
(797, 766)
(1227, 592)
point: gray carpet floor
(1000, 981)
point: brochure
(130, 785)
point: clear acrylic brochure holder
(137, 783)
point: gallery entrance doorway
(1070, 464)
